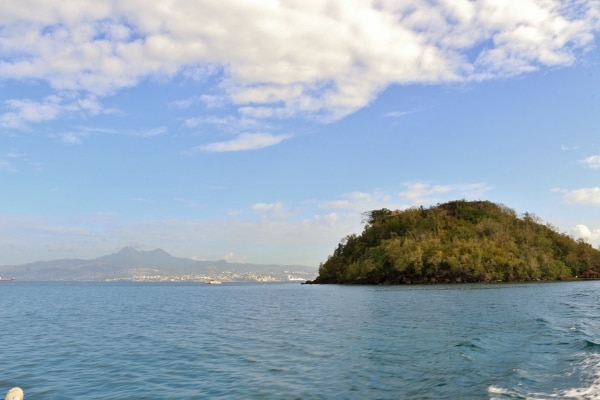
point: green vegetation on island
(459, 241)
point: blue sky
(260, 131)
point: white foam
(591, 392)
(496, 391)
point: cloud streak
(243, 142)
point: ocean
(292, 341)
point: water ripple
(251, 341)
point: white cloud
(71, 138)
(592, 161)
(589, 196)
(262, 112)
(396, 114)
(268, 207)
(324, 59)
(232, 258)
(159, 130)
(363, 201)
(415, 194)
(245, 141)
(272, 210)
(530, 34)
(192, 122)
(230, 123)
(421, 193)
(263, 240)
(25, 111)
(582, 231)
(77, 137)
(568, 148)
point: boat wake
(585, 373)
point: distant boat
(212, 280)
(6, 279)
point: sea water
(292, 341)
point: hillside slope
(459, 241)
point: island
(458, 241)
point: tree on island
(458, 241)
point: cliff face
(459, 241)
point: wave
(498, 393)
(586, 388)
(469, 345)
(590, 391)
(590, 345)
(587, 393)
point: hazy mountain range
(132, 264)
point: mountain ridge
(132, 264)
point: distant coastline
(157, 265)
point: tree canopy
(458, 241)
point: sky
(262, 131)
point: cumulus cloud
(281, 59)
(245, 141)
(27, 110)
(582, 231)
(588, 196)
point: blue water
(292, 341)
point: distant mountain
(153, 265)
